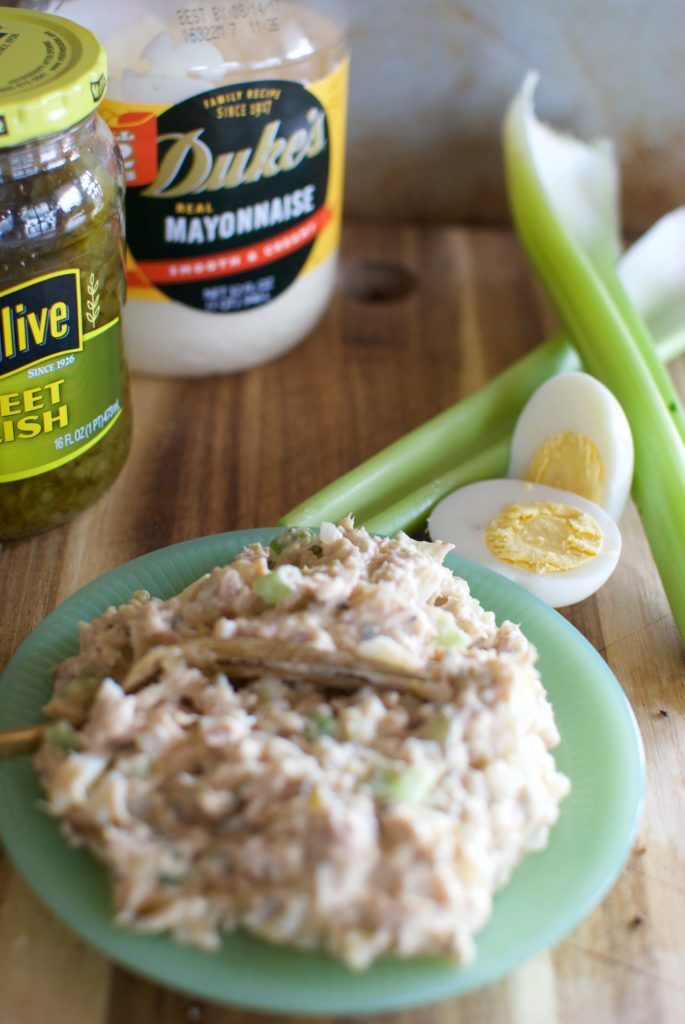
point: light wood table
(423, 317)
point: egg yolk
(570, 461)
(544, 536)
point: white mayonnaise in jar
(230, 115)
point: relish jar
(64, 404)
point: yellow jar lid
(53, 73)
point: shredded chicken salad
(359, 821)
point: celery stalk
(392, 489)
(271, 587)
(555, 190)
(436, 446)
(411, 512)
(652, 272)
(580, 184)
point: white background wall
(431, 79)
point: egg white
(579, 402)
(463, 517)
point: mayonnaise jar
(230, 117)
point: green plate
(550, 893)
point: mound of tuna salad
(361, 821)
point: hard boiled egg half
(552, 527)
(573, 434)
(554, 543)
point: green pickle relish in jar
(64, 405)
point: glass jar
(64, 402)
(231, 118)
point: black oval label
(237, 198)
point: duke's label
(59, 372)
(232, 193)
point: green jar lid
(53, 73)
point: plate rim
(429, 990)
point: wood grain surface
(422, 317)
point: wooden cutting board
(423, 316)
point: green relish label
(59, 372)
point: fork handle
(14, 742)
